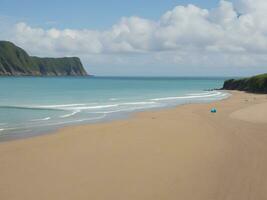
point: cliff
(14, 61)
(255, 84)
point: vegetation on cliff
(256, 84)
(14, 61)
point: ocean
(34, 105)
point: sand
(182, 153)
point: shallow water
(30, 105)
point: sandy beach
(182, 153)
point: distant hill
(256, 84)
(14, 61)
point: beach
(183, 153)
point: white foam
(95, 107)
(127, 109)
(103, 109)
(65, 107)
(78, 107)
(113, 111)
(138, 103)
(113, 99)
(58, 106)
(43, 119)
(69, 115)
(197, 94)
(41, 107)
(56, 123)
(112, 105)
(186, 97)
(224, 94)
(69, 122)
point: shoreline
(184, 152)
(107, 119)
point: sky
(143, 38)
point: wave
(112, 105)
(69, 115)
(202, 93)
(224, 94)
(99, 110)
(127, 109)
(138, 103)
(95, 107)
(187, 97)
(68, 107)
(41, 107)
(55, 123)
(27, 107)
(113, 99)
(78, 107)
(70, 122)
(42, 119)
(59, 106)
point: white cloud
(184, 36)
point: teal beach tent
(213, 110)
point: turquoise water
(29, 105)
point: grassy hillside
(16, 61)
(256, 84)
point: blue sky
(91, 14)
(143, 37)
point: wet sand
(182, 153)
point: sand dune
(182, 153)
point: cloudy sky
(144, 38)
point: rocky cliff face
(256, 84)
(14, 61)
